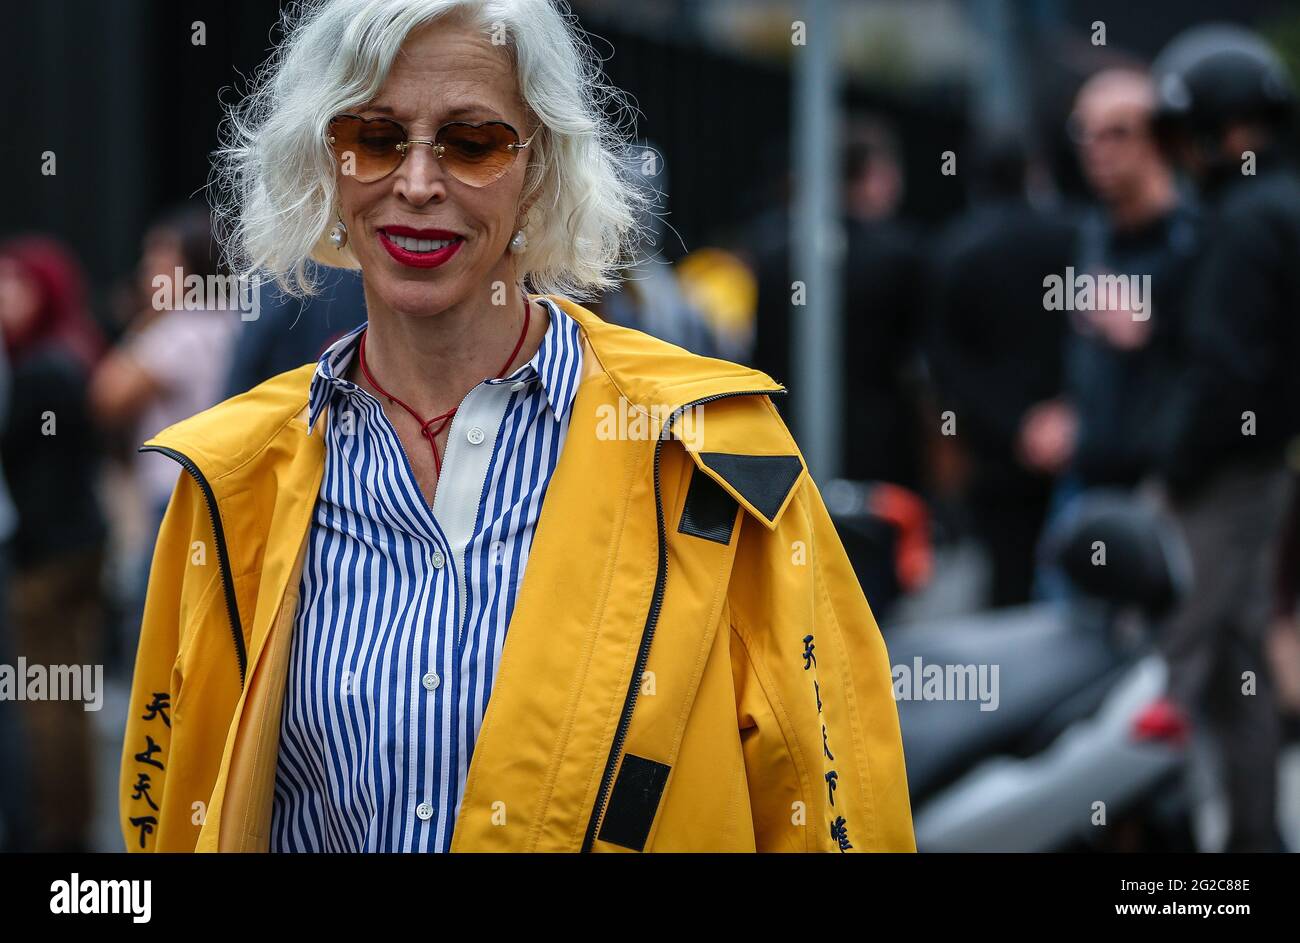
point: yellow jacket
(691, 664)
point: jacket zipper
(223, 555)
(647, 634)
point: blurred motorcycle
(1045, 727)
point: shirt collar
(557, 365)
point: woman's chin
(416, 297)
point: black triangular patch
(763, 480)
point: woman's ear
(525, 207)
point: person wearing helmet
(1224, 105)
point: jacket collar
(650, 372)
(646, 375)
(742, 444)
(552, 365)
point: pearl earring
(519, 242)
(339, 234)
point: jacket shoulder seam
(289, 410)
(257, 452)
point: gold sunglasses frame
(438, 149)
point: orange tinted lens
(477, 155)
(367, 149)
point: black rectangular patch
(634, 802)
(709, 512)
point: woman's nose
(421, 177)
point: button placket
(465, 465)
(431, 642)
(430, 678)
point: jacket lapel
(238, 816)
(568, 650)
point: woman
(324, 662)
(49, 455)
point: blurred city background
(865, 199)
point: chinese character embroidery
(142, 785)
(145, 824)
(839, 826)
(158, 707)
(146, 756)
(840, 834)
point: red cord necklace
(447, 416)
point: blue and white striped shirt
(404, 608)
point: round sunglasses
(370, 149)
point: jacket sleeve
(1233, 334)
(818, 721)
(142, 796)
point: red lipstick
(409, 253)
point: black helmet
(1144, 562)
(1211, 75)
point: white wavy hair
(273, 183)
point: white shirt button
(424, 811)
(430, 681)
(437, 559)
(516, 387)
(475, 435)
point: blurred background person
(996, 358)
(1225, 102)
(878, 314)
(169, 364)
(1121, 364)
(880, 322)
(49, 455)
